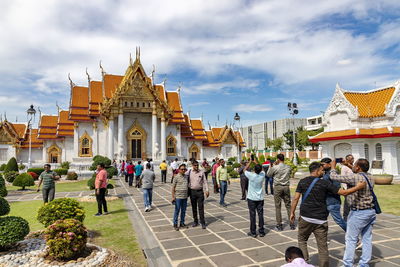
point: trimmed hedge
(23, 180)
(60, 209)
(12, 165)
(72, 176)
(65, 165)
(3, 167)
(111, 171)
(38, 171)
(4, 207)
(100, 159)
(3, 189)
(12, 230)
(61, 171)
(10, 176)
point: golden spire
(138, 53)
(102, 69)
(87, 74)
(71, 83)
(130, 60)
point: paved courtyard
(225, 241)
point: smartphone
(339, 160)
(252, 157)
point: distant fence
(311, 154)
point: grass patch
(80, 185)
(388, 198)
(113, 231)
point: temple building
(122, 117)
(365, 124)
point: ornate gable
(340, 103)
(8, 134)
(228, 137)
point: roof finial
(58, 108)
(5, 116)
(70, 81)
(153, 74)
(88, 76)
(102, 69)
(138, 53)
(130, 60)
(40, 112)
(1, 117)
(179, 87)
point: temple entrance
(54, 154)
(194, 152)
(136, 137)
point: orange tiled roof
(370, 104)
(95, 98)
(19, 129)
(210, 142)
(186, 128)
(65, 126)
(79, 108)
(242, 143)
(217, 132)
(36, 143)
(352, 134)
(111, 83)
(198, 130)
(160, 92)
(48, 127)
(175, 105)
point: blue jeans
(269, 180)
(222, 191)
(334, 210)
(148, 196)
(180, 206)
(359, 222)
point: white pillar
(323, 151)
(307, 153)
(389, 156)
(153, 135)
(44, 153)
(76, 141)
(163, 140)
(287, 153)
(111, 138)
(178, 140)
(95, 145)
(121, 136)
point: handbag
(374, 198)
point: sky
(250, 57)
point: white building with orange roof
(121, 117)
(365, 124)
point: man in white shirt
(294, 258)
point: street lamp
(237, 118)
(31, 115)
(293, 110)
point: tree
(302, 139)
(277, 144)
(23, 180)
(12, 165)
(269, 143)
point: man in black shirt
(313, 210)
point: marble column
(44, 152)
(307, 153)
(111, 138)
(178, 140)
(389, 156)
(154, 132)
(95, 145)
(323, 151)
(121, 136)
(76, 142)
(163, 140)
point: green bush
(2, 182)
(111, 171)
(60, 209)
(100, 159)
(38, 171)
(66, 239)
(3, 189)
(110, 186)
(23, 180)
(229, 169)
(10, 176)
(61, 171)
(236, 165)
(72, 176)
(234, 174)
(90, 182)
(232, 159)
(21, 167)
(3, 167)
(4, 207)
(65, 165)
(12, 230)
(12, 165)
(292, 166)
(261, 159)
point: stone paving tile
(231, 260)
(246, 243)
(263, 254)
(204, 239)
(216, 248)
(232, 235)
(169, 235)
(176, 243)
(196, 231)
(200, 262)
(184, 253)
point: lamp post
(237, 118)
(31, 114)
(293, 110)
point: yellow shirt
(163, 166)
(222, 174)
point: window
(378, 151)
(131, 104)
(171, 146)
(366, 151)
(126, 104)
(85, 146)
(137, 104)
(149, 104)
(136, 133)
(143, 104)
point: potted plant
(383, 178)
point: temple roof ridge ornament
(390, 108)
(340, 103)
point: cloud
(196, 104)
(248, 108)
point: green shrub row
(23, 180)
(38, 171)
(61, 171)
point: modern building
(122, 117)
(256, 135)
(365, 124)
(314, 123)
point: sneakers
(146, 209)
(252, 235)
(292, 227)
(176, 227)
(203, 226)
(279, 227)
(106, 213)
(195, 224)
(182, 225)
(262, 234)
(98, 214)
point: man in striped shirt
(362, 213)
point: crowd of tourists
(319, 193)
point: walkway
(225, 243)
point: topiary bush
(232, 159)
(261, 159)
(236, 165)
(100, 159)
(60, 209)
(234, 174)
(34, 175)
(12, 230)
(229, 169)
(72, 176)
(21, 167)
(66, 239)
(65, 165)
(3, 167)
(38, 171)
(12, 165)
(111, 171)
(23, 180)
(61, 171)
(3, 189)
(10, 176)
(90, 182)
(4, 207)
